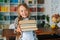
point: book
(27, 22)
(4, 8)
(12, 17)
(13, 8)
(0, 8)
(7, 17)
(5, 1)
(40, 1)
(1, 0)
(28, 25)
(33, 9)
(30, 1)
(23, 1)
(40, 9)
(13, 1)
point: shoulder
(16, 19)
(12, 26)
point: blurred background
(41, 11)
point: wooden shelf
(43, 31)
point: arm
(16, 28)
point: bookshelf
(8, 11)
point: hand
(18, 29)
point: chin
(25, 17)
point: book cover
(40, 1)
(1, 0)
(40, 9)
(13, 1)
(13, 9)
(33, 9)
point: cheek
(19, 13)
(27, 13)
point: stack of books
(28, 25)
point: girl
(23, 14)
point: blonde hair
(26, 6)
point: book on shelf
(40, 9)
(23, 1)
(0, 8)
(30, 1)
(2, 17)
(1, 0)
(1, 31)
(13, 9)
(4, 9)
(13, 1)
(6, 1)
(33, 17)
(7, 17)
(35, 1)
(4, 26)
(1, 26)
(12, 17)
(28, 25)
(33, 9)
(40, 1)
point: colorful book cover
(1, 0)
(7, 17)
(6, 1)
(33, 9)
(30, 1)
(0, 8)
(12, 17)
(40, 9)
(40, 1)
(1, 17)
(23, 1)
(4, 9)
(34, 1)
(13, 1)
(13, 9)
(33, 17)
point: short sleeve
(12, 26)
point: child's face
(23, 11)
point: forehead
(22, 7)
